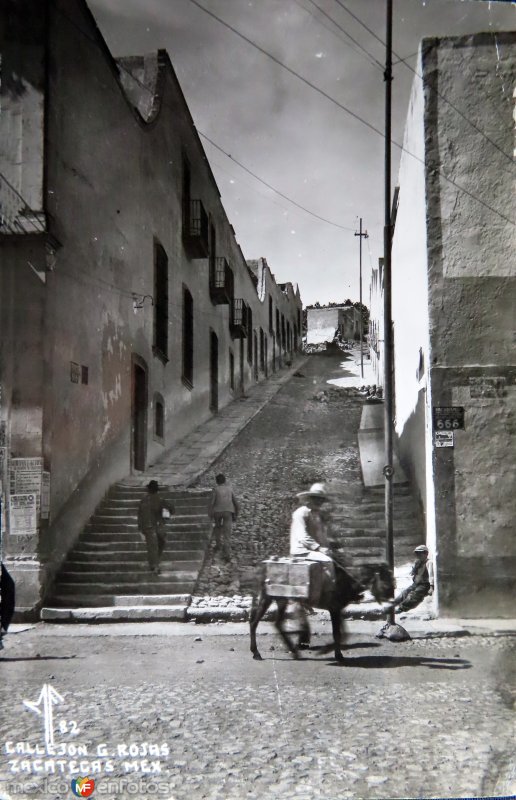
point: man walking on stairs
(223, 510)
(152, 525)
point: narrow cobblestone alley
(306, 433)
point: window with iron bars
(188, 340)
(160, 302)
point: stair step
(137, 549)
(106, 600)
(118, 567)
(108, 558)
(181, 582)
(99, 612)
(363, 541)
(126, 490)
(121, 515)
(133, 573)
(136, 538)
(114, 524)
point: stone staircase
(359, 523)
(108, 568)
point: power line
(349, 111)
(314, 88)
(415, 72)
(268, 185)
(290, 70)
(363, 50)
(319, 91)
(330, 29)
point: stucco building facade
(453, 310)
(128, 312)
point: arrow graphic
(48, 697)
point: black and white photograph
(257, 399)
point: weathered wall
(21, 398)
(471, 301)
(114, 187)
(410, 299)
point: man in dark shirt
(151, 524)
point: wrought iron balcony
(238, 319)
(195, 229)
(221, 281)
(16, 218)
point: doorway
(139, 442)
(214, 372)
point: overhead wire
(439, 94)
(369, 56)
(324, 94)
(331, 30)
(268, 185)
(349, 111)
(313, 87)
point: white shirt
(307, 531)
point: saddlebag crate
(294, 578)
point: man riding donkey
(309, 541)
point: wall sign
(443, 438)
(448, 418)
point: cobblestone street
(187, 714)
(306, 433)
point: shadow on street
(38, 658)
(388, 662)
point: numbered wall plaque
(448, 418)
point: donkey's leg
(256, 615)
(304, 633)
(282, 608)
(335, 626)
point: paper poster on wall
(22, 514)
(26, 476)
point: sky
(300, 141)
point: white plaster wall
(409, 264)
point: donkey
(335, 596)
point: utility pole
(388, 469)
(363, 235)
